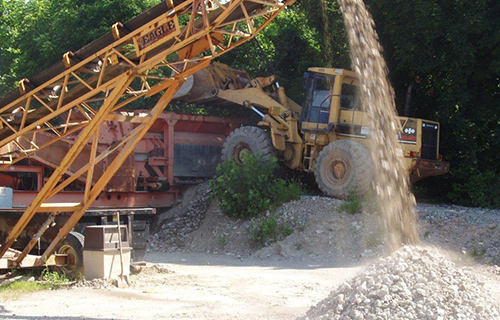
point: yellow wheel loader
(328, 135)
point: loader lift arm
(148, 56)
(221, 85)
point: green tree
(39, 32)
(450, 51)
(10, 15)
(326, 17)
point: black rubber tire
(344, 167)
(247, 139)
(73, 247)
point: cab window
(318, 90)
(350, 98)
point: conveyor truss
(148, 56)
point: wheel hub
(241, 150)
(242, 153)
(70, 259)
(339, 170)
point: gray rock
(434, 290)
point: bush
(269, 230)
(21, 287)
(53, 279)
(248, 188)
(352, 205)
(286, 191)
(48, 280)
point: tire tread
(251, 135)
(362, 174)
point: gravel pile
(473, 232)
(321, 232)
(176, 224)
(220, 234)
(155, 269)
(412, 283)
(324, 233)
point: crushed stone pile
(322, 233)
(412, 283)
(474, 232)
(176, 224)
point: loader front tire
(247, 140)
(344, 167)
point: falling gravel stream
(377, 96)
(413, 282)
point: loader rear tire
(73, 247)
(344, 167)
(245, 140)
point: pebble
(460, 229)
(414, 283)
(427, 302)
(172, 234)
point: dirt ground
(200, 279)
(190, 286)
(194, 286)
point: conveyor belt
(113, 71)
(147, 56)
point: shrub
(21, 287)
(286, 191)
(353, 204)
(248, 188)
(222, 242)
(53, 279)
(269, 230)
(48, 279)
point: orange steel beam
(89, 86)
(64, 165)
(165, 51)
(137, 199)
(115, 165)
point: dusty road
(191, 286)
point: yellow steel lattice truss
(150, 55)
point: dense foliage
(35, 34)
(249, 188)
(449, 51)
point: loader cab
(331, 94)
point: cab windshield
(318, 89)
